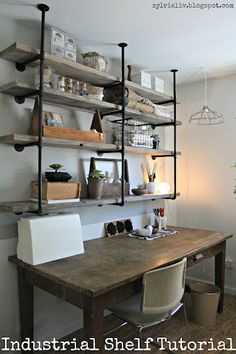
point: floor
(173, 330)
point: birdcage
(136, 134)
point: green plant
(56, 166)
(96, 174)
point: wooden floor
(225, 327)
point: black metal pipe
(110, 113)
(162, 125)
(165, 102)
(20, 147)
(154, 157)
(101, 152)
(21, 66)
(174, 71)
(113, 84)
(123, 45)
(43, 8)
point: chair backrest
(163, 288)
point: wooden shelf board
(29, 206)
(13, 139)
(147, 117)
(154, 96)
(59, 98)
(64, 99)
(19, 52)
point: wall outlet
(229, 262)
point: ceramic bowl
(139, 191)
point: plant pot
(151, 187)
(57, 176)
(95, 186)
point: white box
(57, 50)
(70, 54)
(46, 238)
(57, 37)
(146, 79)
(70, 43)
(142, 78)
(159, 84)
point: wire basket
(137, 134)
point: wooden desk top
(111, 262)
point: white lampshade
(164, 188)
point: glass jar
(69, 85)
(76, 87)
(83, 89)
(61, 84)
(47, 77)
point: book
(58, 201)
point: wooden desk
(110, 270)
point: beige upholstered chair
(160, 299)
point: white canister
(151, 187)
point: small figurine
(157, 217)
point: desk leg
(93, 322)
(25, 307)
(220, 275)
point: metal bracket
(21, 99)
(153, 126)
(165, 102)
(154, 157)
(114, 84)
(101, 152)
(20, 147)
(21, 66)
(118, 111)
(43, 7)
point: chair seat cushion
(129, 310)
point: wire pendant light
(206, 116)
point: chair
(160, 299)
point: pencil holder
(151, 187)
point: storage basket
(137, 134)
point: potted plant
(95, 184)
(56, 176)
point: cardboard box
(56, 190)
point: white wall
(52, 316)
(205, 177)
